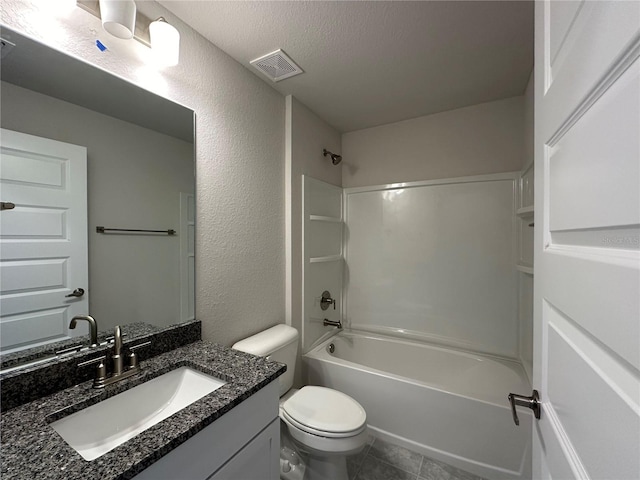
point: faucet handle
(133, 358)
(101, 370)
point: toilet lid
(325, 410)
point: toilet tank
(279, 343)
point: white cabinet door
(258, 460)
(587, 257)
(43, 240)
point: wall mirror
(83, 149)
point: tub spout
(331, 323)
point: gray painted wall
(476, 140)
(306, 136)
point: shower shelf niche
(525, 211)
(524, 269)
(329, 258)
(322, 218)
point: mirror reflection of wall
(136, 179)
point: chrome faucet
(330, 323)
(101, 379)
(93, 328)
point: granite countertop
(30, 448)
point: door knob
(78, 292)
(532, 402)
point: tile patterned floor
(381, 460)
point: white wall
(306, 136)
(134, 180)
(239, 160)
(475, 140)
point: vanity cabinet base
(258, 460)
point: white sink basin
(95, 430)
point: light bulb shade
(165, 42)
(118, 17)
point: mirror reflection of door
(43, 240)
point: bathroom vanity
(230, 433)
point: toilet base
(305, 463)
(291, 465)
(327, 468)
(312, 467)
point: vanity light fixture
(118, 17)
(165, 42)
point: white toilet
(325, 425)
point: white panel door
(43, 240)
(587, 239)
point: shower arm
(335, 158)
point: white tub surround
(447, 404)
(323, 264)
(436, 259)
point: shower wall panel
(435, 261)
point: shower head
(335, 158)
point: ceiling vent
(277, 66)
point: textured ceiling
(370, 63)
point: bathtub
(447, 404)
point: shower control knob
(326, 300)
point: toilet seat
(323, 445)
(321, 433)
(324, 412)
